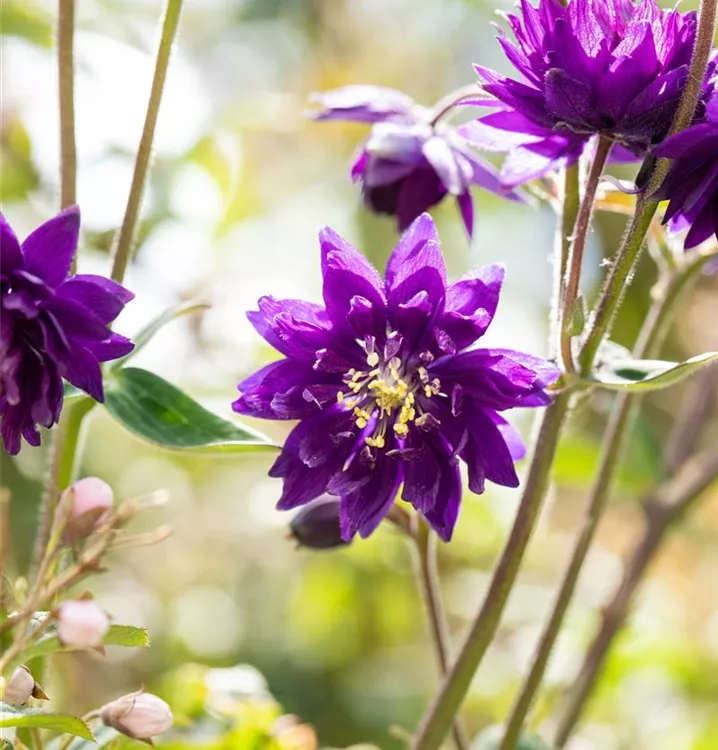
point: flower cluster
(53, 326)
(387, 388)
(412, 159)
(608, 67)
(691, 185)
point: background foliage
(241, 182)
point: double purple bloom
(607, 67)
(411, 159)
(388, 392)
(53, 326)
(691, 185)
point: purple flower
(52, 327)
(388, 392)
(691, 185)
(411, 159)
(593, 67)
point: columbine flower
(317, 525)
(411, 159)
(593, 67)
(81, 624)
(386, 387)
(139, 715)
(53, 327)
(692, 182)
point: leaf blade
(23, 716)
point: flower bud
(139, 715)
(317, 524)
(87, 504)
(19, 688)
(81, 624)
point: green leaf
(69, 392)
(118, 635)
(647, 374)
(104, 737)
(146, 334)
(160, 413)
(22, 716)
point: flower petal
(49, 250)
(104, 297)
(9, 248)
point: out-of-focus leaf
(146, 334)
(70, 392)
(118, 635)
(23, 19)
(23, 716)
(490, 739)
(157, 411)
(19, 175)
(104, 737)
(647, 374)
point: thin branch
(66, 71)
(125, 236)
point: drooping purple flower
(691, 185)
(608, 67)
(387, 387)
(411, 159)
(53, 326)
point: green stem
(668, 504)
(66, 74)
(577, 246)
(428, 581)
(62, 470)
(447, 702)
(615, 438)
(125, 235)
(569, 203)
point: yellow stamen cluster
(386, 391)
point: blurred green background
(240, 184)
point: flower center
(386, 396)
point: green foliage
(490, 739)
(35, 718)
(118, 635)
(647, 374)
(160, 413)
(22, 19)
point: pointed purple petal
(50, 248)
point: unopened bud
(87, 504)
(317, 524)
(139, 715)
(81, 624)
(19, 688)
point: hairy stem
(447, 702)
(569, 204)
(667, 504)
(125, 236)
(428, 582)
(618, 430)
(576, 249)
(66, 75)
(447, 103)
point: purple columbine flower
(691, 185)
(387, 388)
(607, 67)
(53, 326)
(411, 159)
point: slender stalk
(125, 235)
(578, 245)
(448, 102)
(428, 581)
(667, 505)
(62, 470)
(66, 71)
(440, 714)
(618, 430)
(569, 204)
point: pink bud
(139, 715)
(81, 624)
(19, 688)
(88, 503)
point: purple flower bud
(317, 524)
(139, 715)
(19, 688)
(81, 624)
(87, 504)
